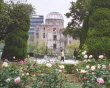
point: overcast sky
(43, 7)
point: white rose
(77, 69)
(8, 80)
(85, 56)
(85, 60)
(83, 53)
(89, 60)
(90, 56)
(59, 70)
(99, 66)
(49, 65)
(28, 56)
(14, 57)
(22, 74)
(75, 64)
(27, 73)
(61, 66)
(93, 67)
(87, 66)
(101, 56)
(5, 64)
(83, 71)
(103, 66)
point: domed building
(55, 18)
(51, 32)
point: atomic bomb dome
(54, 18)
(54, 15)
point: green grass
(73, 86)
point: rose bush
(29, 74)
(94, 73)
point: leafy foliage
(99, 32)
(72, 46)
(91, 70)
(16, 39)
(78, 26)
(31, 74)
(4, 20)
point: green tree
(72, 46)
(79, 12)
(16, 39)
(38, 48)
(4, 19)
(98, 39)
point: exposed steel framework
(54, 15)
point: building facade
(51, 32)
(34, 21)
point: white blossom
(93, 67)
(59, 70)
(83, 53)
(101, 56)
(27, 73)
(23, 74)
(8, 80)
(86, 61)
(89, 60)
(77, 69)
(5, 64)
(83, 71)
(103, 66)
(87, 66)
(90, 56)
(61, 66)
(14, 57)
(99, 66)
(49, 65)
(85, 56)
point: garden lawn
(73, 86)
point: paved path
(53, 60)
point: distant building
(51, 32)
(34, 21)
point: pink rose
(103, 66)
(17, 80)
(100, 80)
(85, 78)
(23, 62)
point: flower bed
(94, 73)
(25, 74)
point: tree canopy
(4, 19)
(98, 36)
(91, 23)
(78, 12)
(17, 36)
(6, 12)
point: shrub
(69, 68)
(94, 74)
(29, 74)
(16, 39)
(98, 40)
